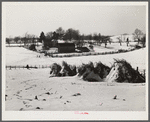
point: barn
(66, 47)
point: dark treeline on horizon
(66, 35)
(69, 34)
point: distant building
(66, 47)
(62, 46)
(123, 38)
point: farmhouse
(66, 47)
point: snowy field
(33, 90)
(21, 56)
(30, 90)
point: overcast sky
(89, 18)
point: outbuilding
(66, 47)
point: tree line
(28, 38)
(74, 36)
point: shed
(66, 47)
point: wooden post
(137, 69)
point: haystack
(67, 70)
(90, 72)
(101, 69)
(122, 71)
(85, 69)
(55, 70)
(64, 70)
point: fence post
(144, 72)
(137, 69)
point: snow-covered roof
(61, 41)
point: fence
(89, 53)
(27, 67)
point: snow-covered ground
(113, 47)
(122, 37)
(28, 90)
(21, 56)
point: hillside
(22, 56)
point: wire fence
(141, 71)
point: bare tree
(143, 40)
(138, 34)
(127, 42)
(8, 41)
(49, 35)
(16, 39)
(99, 38)
(119, 38)
(96, 37)
(72, 34)
(60, 32)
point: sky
(33, 18)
